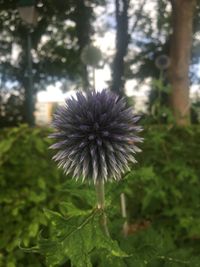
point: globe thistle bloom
(91, 55)
(96, 136)
(162, 62)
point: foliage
(57, 58)
(28, 181)
(162, 199)
(152, 38)
(195, 110)
(11, 109)
(158, 104)
(76, 238)
(54, 58)
(71, 25)
(167, 181)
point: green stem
(159, 96)
(94, 78)
(124, 214)
(101, 204)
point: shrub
(28, 182)
(162, 192)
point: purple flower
(162, 62)
(96, 136)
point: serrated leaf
(71, 210)
(77, 237)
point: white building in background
(46, 103)
(44, 111)
(48, 100)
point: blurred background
(145, 51)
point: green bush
(165, 186)
(163, 198)
(29, 182)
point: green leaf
(71, 210)
(76, 238)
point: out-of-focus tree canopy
(64, 28)
(152, 39)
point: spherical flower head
(96, 136)
(91, 55)
(162, 62)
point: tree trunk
(182, 15)
(122, 40)
(83, 17)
